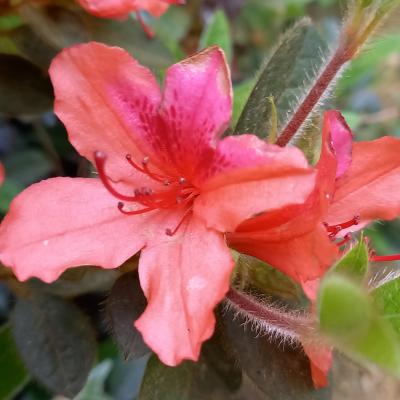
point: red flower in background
(119, 9)
(168, 186)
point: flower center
(178, 192)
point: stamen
(333, 230)
(345, 240)
(145, 169)
(392, 257)
(100, 160)
(134, 212)
(170, 232)
(182, 181)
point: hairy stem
(339, 58)
(269, 318)
(356, 31)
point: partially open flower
(356, 184)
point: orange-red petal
(107, 101)
(183, 278)
(370, 187)
(62, 223)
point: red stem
(340, 57)
(292, 324)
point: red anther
(170, 232)
(145, 160)
(100, 161)
(333, 230)
(345, 240)
(145, 170)
(134, 212)
(392, 257)
(182, 181)
(133, 164)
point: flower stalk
(269, 319)
(363, 21)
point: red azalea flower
(356, 184)
(168, 186)
(120, 9)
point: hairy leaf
(14, 375)
(125, 304)
(55, 341)
(241, 93)
(24, 89)
(277, 367)
(215, 376)
(289, 73)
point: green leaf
(290, 72)
(125, 304)
(241, 93)
(251, 273)
(218, 33)
(15, 164)
(166, 383)
(24, 89)
(387, 299)
(171, 28)
(94, 387)
(272, 363)
(378, 345)
(214, 377)
(55, 340)
(57, 26)
(354, 263)
(130, 36)
(348, 316)
(14, 375)
(60, 27)
(31, 46)
(79, 281)
(343, 307)
(8, 191)
(10, 22)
